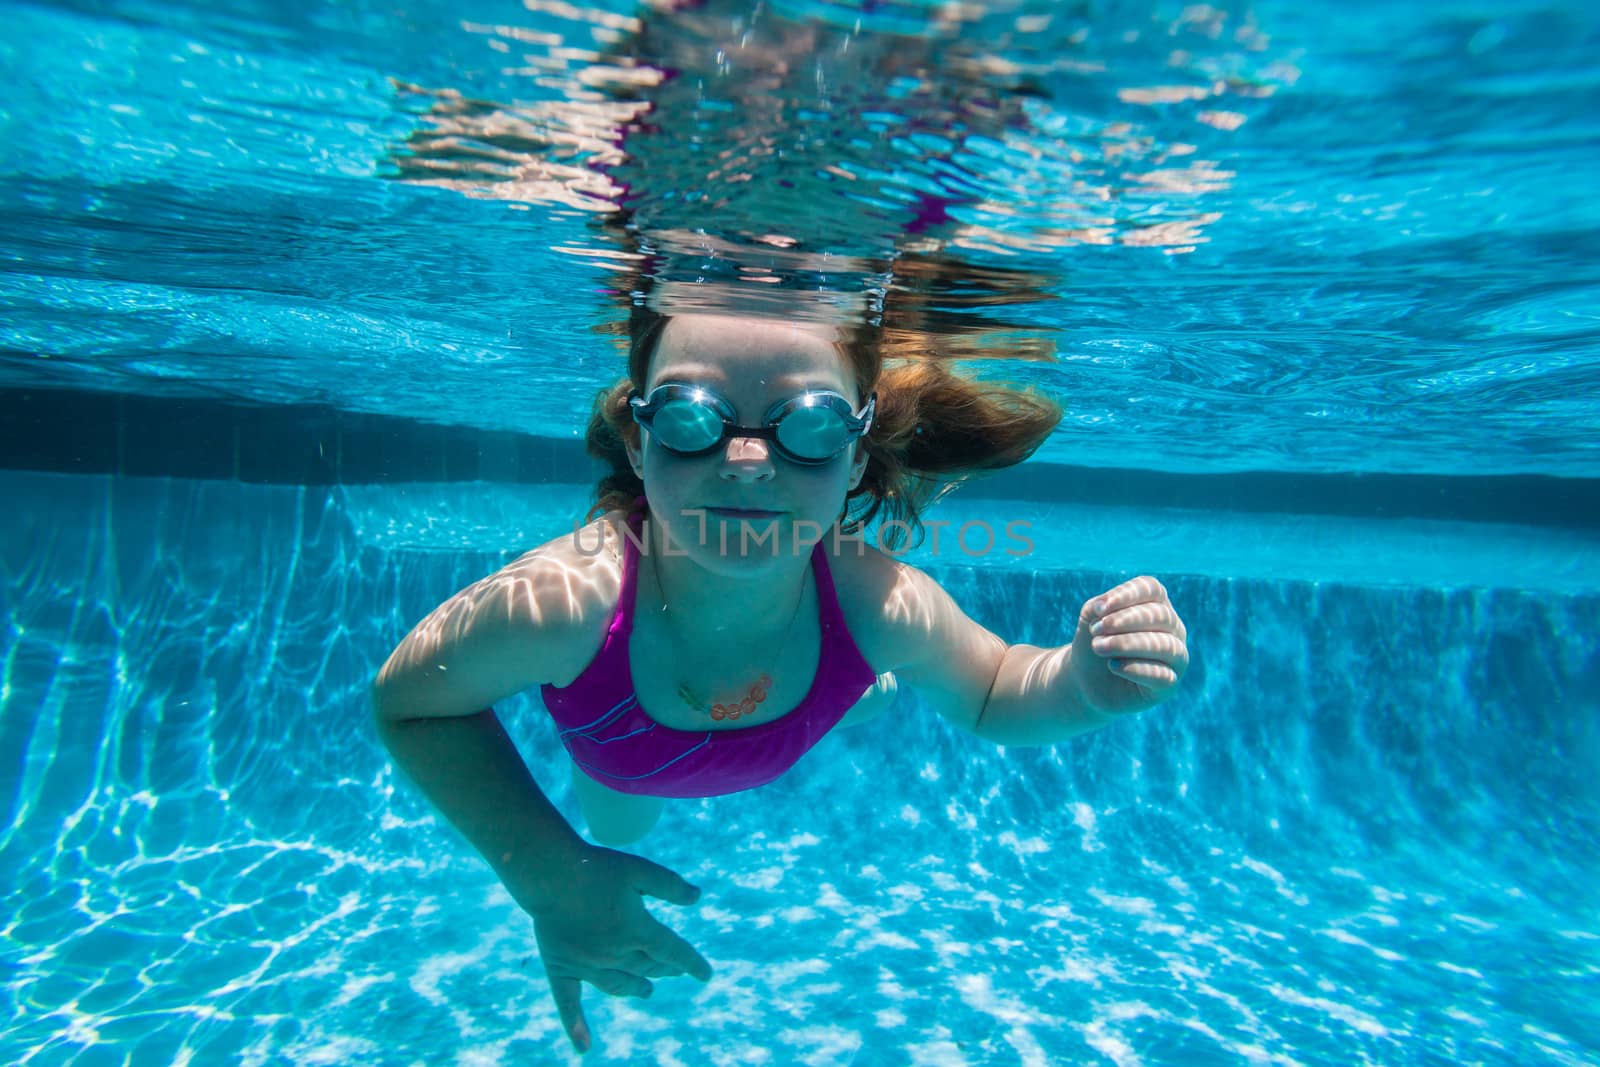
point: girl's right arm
(538, 620)
(433, 703)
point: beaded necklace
(758, 689)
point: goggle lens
(687, 426)
(815, 433)
(692, 421)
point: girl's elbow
(380, 706)
(387, 703)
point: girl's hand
(1129, 650)
(599, 932)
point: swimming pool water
(1397, 273)
(1302, 239)
(1363, 835)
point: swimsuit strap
(829, 613)
(622, 622)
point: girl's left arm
(1128, 652)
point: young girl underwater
(714, 620)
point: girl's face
(744, 504)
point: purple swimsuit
(609, 735)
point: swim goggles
(810, 429)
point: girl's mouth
(743, 513)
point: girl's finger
(673, 951)
(620, 983)
(654, 969)
(1145, 672)
(1157, 646)
(659, 882)
(568, 995)
(1140, 590)
(1139, 617)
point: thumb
(654, 880)
(568, 995)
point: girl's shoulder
(538, 619)
(905, 622)
(885, 602)
(564, 592)
(593, 549)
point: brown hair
(934, 428)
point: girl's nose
(747, 459)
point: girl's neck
(701, 605)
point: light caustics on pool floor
(1360, 836)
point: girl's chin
(744, 546)
(742, 537)
(743, 514)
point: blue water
(1363, 833)
(1399, 271)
